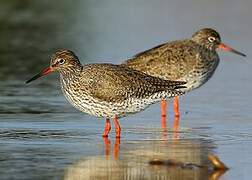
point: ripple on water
(35, 134)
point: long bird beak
(42, 73)
(227, 48)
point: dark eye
(211, 39)
(61, 61)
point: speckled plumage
(106, 90)
(175, 64)
(192, 60)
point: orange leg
(107, 128)
(163, 113)
(163, 107)
(176, 106)
(117, 127)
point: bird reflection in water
(164, 132)
(107, 148)
(131, 159)
(175, 128)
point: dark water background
(43, 137)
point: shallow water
(43, 137)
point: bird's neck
(208, 55)
(208, 50)
(70, 74)
(205, 53)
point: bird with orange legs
(192, 60)
(107, 90)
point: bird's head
(210, 39)
(63, 61)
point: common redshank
(107, 90)
(192, 60)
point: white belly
(99, 108)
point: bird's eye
(61, 61)
(211, 39)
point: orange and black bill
(42, 73)
(227, 48)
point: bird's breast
(202, 71)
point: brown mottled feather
(192, 60)
(106, 90)
(114, 83)
(172, 60)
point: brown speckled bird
(192, 60)
(107, 90)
